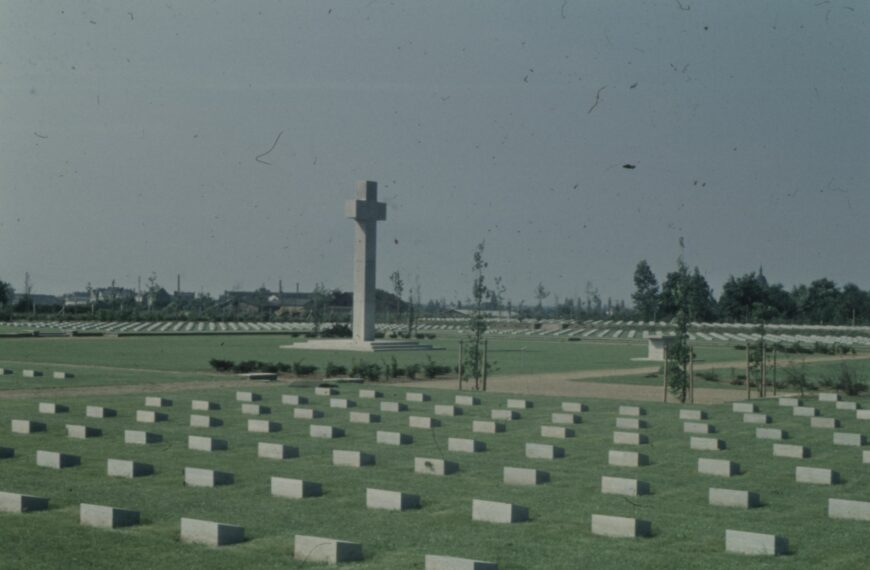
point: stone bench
(558, 432)
(200, 421)
(623, 486)
(204, 405)
(141, 437)
(203, 443)
(82, 432)
(100, 412)
(393, 438)
(495, 512)
(294, 488)
(460, 400)
(27, 426)
(293, 400)
(264, 426)
(706, 444)
(331, 551)
(100, 516)
(52, 408)
(462, 445)
(127, 469)
(196, 477)
(523, 476)
(363, 418)
(423, 422)
(17, 503)
(753, 543)
(816, 476)
(432, 466)
(325, 432)
(306, 414)
(55, 460)
(732, 498)
(248, 397)
(850, 510)
(342, 458)
(391, 500)
(486, 426)
(718, 467)
(626, 458)
(437, 562)
(157, 402)
(790, 451)
(544, 451)
(620, 527)
(268, 450)
(195, 531)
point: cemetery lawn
(687, 532)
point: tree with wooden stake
(475, 364)
(678, 350)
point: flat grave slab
(753, 543)
(432, 466)
(623, 486)
(195, 531)
(496, 512)
(294, 488)
(345, 458)
(558, 432)
(620, 527)
(18, 503)
(128, 469)
(391, 500)
(523, 476)
(733, 498)
(331, 551)
(196, 477)
(56, 460)
(100, 516)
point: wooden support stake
(665, 383)
(485, 345)
(459, 368)
(748, 393)
(691, 376)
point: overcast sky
(129, 133)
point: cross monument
(366, 211)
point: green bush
(300, 369)
(335, 370)
(221, 365)
(365, 370)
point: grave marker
(630, 423)
(248, 397)
(743, 408)
(27, 426)
(364, 418)
(325, 432)
(620, 527)
(520, 404)
(544, 451)
(824, 423)
(370, 394)
(150, 417)
(850, 510)
(559, 432)
(485, 426)
(55, 460)
(293, 400)
(706, 444)
(196, 477)
(52, 408)
(344, 458)
(317, 549)
(756, 419)
(695, 415)
(631, 411)
(106, 517)
(753, 543)
(717, 467)
(495, 512)
(461, 400)
(31, 373)
(203, 443)
(816, 476)
(393, 407)
(294, 488)
(255, 410)
(204, 405)
(623, 486)
(576, 407)
(200, 421)
(417, 397)
(506, 415)
(341, 403)
(100, 412)
(393, 438)
(770, 433)
(268, 450)
(391, 500)
(463, 445)
(791, 451)
(157, 402)
(306, 414)
(82, 432)
(698, 427)
(141, 437)
(325, 391)
(423, 422)
(627, 458)
(447, 410)
(210, 533)
(564, 418)
(431, 466)
(851, 439)
(128, 469)
(17, 503)
(733, 498)
(804, 411)
(522, 476)
(437, 562)
(263, 426)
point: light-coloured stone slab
(345, 458)
(196, 477)
(849, 510)
(341, 403)
(393, 407)
(516, 404)
(754, 543)
(201, 421)
(623, 486)
(565, 418)
(264, 426)
(558, 432)
(203, 443)
(393, 438)
(756, 419)
(248, 397)
(627, 458)
(848, 406)
(544, 451)
(128, 469)
(17, 503)
(150, 417)
(423, 422)
(325, 432)
(27, 426)
(56, 460)
(698, 427)
(195, 531)
(60, 375)
(431, 466)
(52, 408)
(75, 431)
(364, 418)
(790, 402)
(437, 562)
(862, 414)
(487, 426)
(574, 407)
(706, 444)
(805, 411)
(496, 512)
(524, 476)
(255, 410)
(204, 405)
(620, 527)
(462, 445)
(325, 391)
(790, 451)
(141, 437)
(31, 373)
(733, 498)
(829, 397)
(824, 423)
(816, 476)
(366, 394)
(631, 423)
(294, 488)
(417, 397)
(306, 414)
(317, 549)
(770, 433)
(693, 415)
(100, 412)
(743, 408)
(461, 400)
(851, 439)
(447, 410)
(100, 516)
(391, 500)
(157, 402)
(717, 467)
(631, 411)
(629, 438)
(865, 457)
(268, 450)
(293, 400)
(504, 415)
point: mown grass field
(687, 532)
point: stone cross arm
(366, 207)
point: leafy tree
(474, 365)
(398, 289)
(678, 351)
(742, 297)
(853, 303)
(702, 305)
(540, 294)
(6, 294)
(317, 306)
(821, 301)
(646, 294)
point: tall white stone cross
(367, 212)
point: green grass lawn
(687, 533)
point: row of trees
(748, 298)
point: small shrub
(245, 366)
(365, 370)
(338, 330)
(221, 365)
(412, 370)
(335, 370)
(301, 369)
(431, 369)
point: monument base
(359, 346)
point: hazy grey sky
(129, 131)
